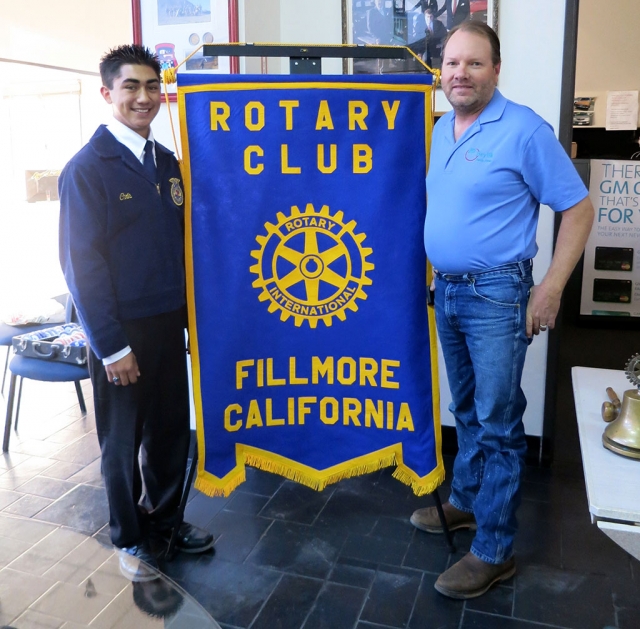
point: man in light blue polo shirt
(492, 164)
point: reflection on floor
(289, 557)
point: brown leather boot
(472, 577)
(427, 519)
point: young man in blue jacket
(122, 253)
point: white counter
(612, 481)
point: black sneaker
(190, 538)
(138, 563)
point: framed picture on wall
(422, 25)
(174, 29)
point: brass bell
(622, 435)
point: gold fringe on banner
(316, 479)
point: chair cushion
(47, 370)
(7, 332)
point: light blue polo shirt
(484, 191)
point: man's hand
(544, 300)
(124, 371)
(542, 309)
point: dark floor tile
(201, 509)
(357, 503)
(393, 528)
(337, 607)
(571, 599)
(434, 610)
(298, 549)
(237, 534)
(374, 549)
(83, 509)
(478, 620)
(249, 504)
(498, 600)
(28, 506)
(586, 548)
(233, 594)
(190, 569)
(47, 487)
(539, 536)
(427, 552)
(626, 591)
(538, 474)
(539, 492)
(289, 604)
(297, 503)
(260, 482)
(83, 451)
(627, 618)
(353, 572)
(397, 585)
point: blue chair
(45, 371)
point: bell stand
(302, 60)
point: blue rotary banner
(313, 349)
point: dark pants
(143, 429)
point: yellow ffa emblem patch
(311, 266)
(176, 191)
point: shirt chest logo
(476, 155)
(125, 196)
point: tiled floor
(289, 557)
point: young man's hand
(124, 371)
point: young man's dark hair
(129, 54)
(478, 28)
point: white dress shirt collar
(132, 140)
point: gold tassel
(420, 486)
(211, 490)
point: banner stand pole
(443, 521)
(191, 471)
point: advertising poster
(611, 273)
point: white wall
(608, 52)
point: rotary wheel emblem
(311, 266)
(632, 370)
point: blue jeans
(481, 321)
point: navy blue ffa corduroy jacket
(121, 238)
